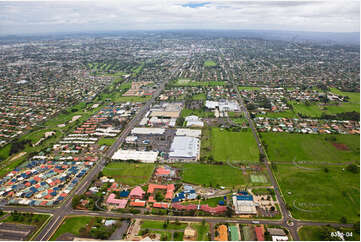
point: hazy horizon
(42, 17)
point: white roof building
(142, 156)
(193, 121)
(224, 105)
(184, 148)
(244, 206)
(211, 104)
(189, 132)
(148, 131)
(279, 238)
(131, 139)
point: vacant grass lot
(284, 114)
(106, 141)
(202, 231)
(233, 146)
(209, 63)
(314, 194)
(129, 173)
(72, 225)
(314, 233)
(309, 147)
(211, 175)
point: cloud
(50, 16)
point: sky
(28, 17)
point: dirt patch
(17, 156)
(340, 146)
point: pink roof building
(137, 192)
(170, 189)
(121, 203)
(162, 172)
(218, 209)
(259, 233)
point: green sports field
(309, 147)
(316, 194)
(210, 63)
(203, 174)
(234, 146)
(129, 173)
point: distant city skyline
(32, 17)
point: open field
(209, 63)
(309, 147)
(284, 114)
(211, 175)
(233, 146)
(314, 193)
(72, 225)
(129, 173)
(317, 233)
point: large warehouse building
(142, 156)
(185, 149)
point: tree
(343, 220)
(75, 201)
(326, 169)
(352, 168)
(262, 157)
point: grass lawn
(129, 173)
(315, 233)
(200, 96)
(5, 151)
(202, 231)
(233, 146)
(151, 224)
(106, 141)
(209, 63)
(212, 202)
(285, 114)
(72, 225)
(201, 114)
(207, 175)
(309, 147)
(315, 110)
(314, 194)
